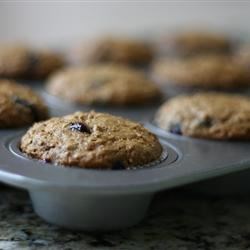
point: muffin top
(204, 71)
(19, 105)
(103, 84)
(42, 63)
(195, 42)
(207, 115)
(115, 50)
(91, 140)
(18, 61)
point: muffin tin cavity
(175, 133)
(139, 113)
(169, 155)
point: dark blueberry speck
(175, 129)
(206, 122)
(26, 104)
(118, 166)
(33, 60)
(46, 161)
(81, 127)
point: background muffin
(91, 140)
(114, 50)
(18, 61)
(202, 72)
(42, 63)
(207, 115)
(193, 43)
(103, 84)
(19, 105)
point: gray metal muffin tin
(100, 200)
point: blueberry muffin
(202, 72)
(193, 43)
(19, 105)
(91, 140)
(114, 50)
(207, 115)
(103, 84)
(17, 61)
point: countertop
(177, 220)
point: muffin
(17, 61)
(91, 140)
(19, 105)
(113, 50)
(207, 115)
(193, 43)
(201, 72)
(42, 63)
(107, 84)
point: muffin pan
(233, 183)
(101, 200)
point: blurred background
(62, 22)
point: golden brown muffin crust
(207, 115)
(43, 63)
(195, 42)
(206, 71)
(19, 105)
(105, 84)
(17, 61)
(115, 50)
(91, 140)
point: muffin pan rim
(185, 169)
(71, 105)
(166, 157)
(98, 179)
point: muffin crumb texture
(204, 72)
(19, 105)
(91, 140)
(18, 61)
(108, 84)
(207, 115)
(113, 50)
(194, 42)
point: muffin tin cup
(134, 112)
(83, 199)
(90, 212)
(235, 183)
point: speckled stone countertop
(176, 220)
